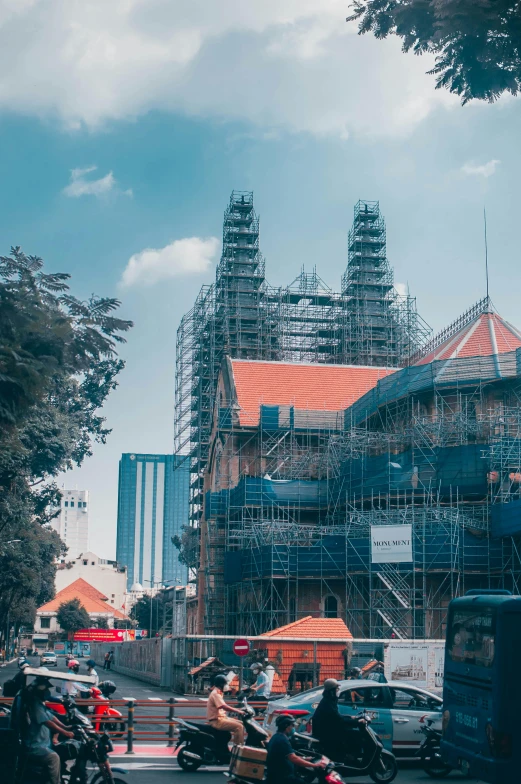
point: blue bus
(481, 710)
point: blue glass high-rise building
(152, 508)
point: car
(48, 659)
(398, 710)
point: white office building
(72, 524)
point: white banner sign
(391, 543)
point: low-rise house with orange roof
(302, 664)
(95, 603)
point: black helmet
(220, 681)
(284, 721)
(107, 688)
(356, 672)
(90, 663)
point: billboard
(391, 543)
(99, 635)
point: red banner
(99, 635)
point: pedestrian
(106, 661)
(109, 660)
(216, 710)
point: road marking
(169, 768)
(129, 698)
(155, 699)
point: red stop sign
(241, 647)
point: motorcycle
(200, 744)
(65, 708)
(430, 753)
(87, 747)
(326, 775)
(371, 759)
(113, 720)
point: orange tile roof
(487, 334)
(303, 385)
(89, 597)
(313, 629)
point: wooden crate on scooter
(248, 762)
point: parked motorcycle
(371, 759)
(200, 744)
(430, 753)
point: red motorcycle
(103, 717)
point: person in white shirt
(91, 664)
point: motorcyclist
(216, 709)
(19, 678)
(355, 674)
(281, 758)
(332, 729)
(261, 687)
(91, 670)
(37, 725)
(73, 688)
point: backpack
(11, 688)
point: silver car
(48, 659)
(397, 709)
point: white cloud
(402, 289)
(189, 256)
(79, 186)
(291, 65)
(481, 170)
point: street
(154, 763)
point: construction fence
(186, 664)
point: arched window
(331, 607)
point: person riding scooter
(261, 687)
(281, 760)
(330, 728)
(37, 725)
(216, 709)
(91, 665)
(73, 688)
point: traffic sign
(241, 647)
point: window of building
(45, 623)
(93, 563)
(66, 503)
(72, 503)
(331, 607)
(85, 563)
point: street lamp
(152, 583)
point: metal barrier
(133, 714)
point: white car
(398, 710)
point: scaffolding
(241, 315)
(291, 536)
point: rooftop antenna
(486, 246)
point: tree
(102, 623)
(477, 43)
(72, 616)
(58, 363)
(140, 612)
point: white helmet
(256, 666)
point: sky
(124, 126)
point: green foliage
(102, 623)
(140, 612)
(73, 616)
(188, 546)
(477, 43)
(58, 364)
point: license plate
(464, 766)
